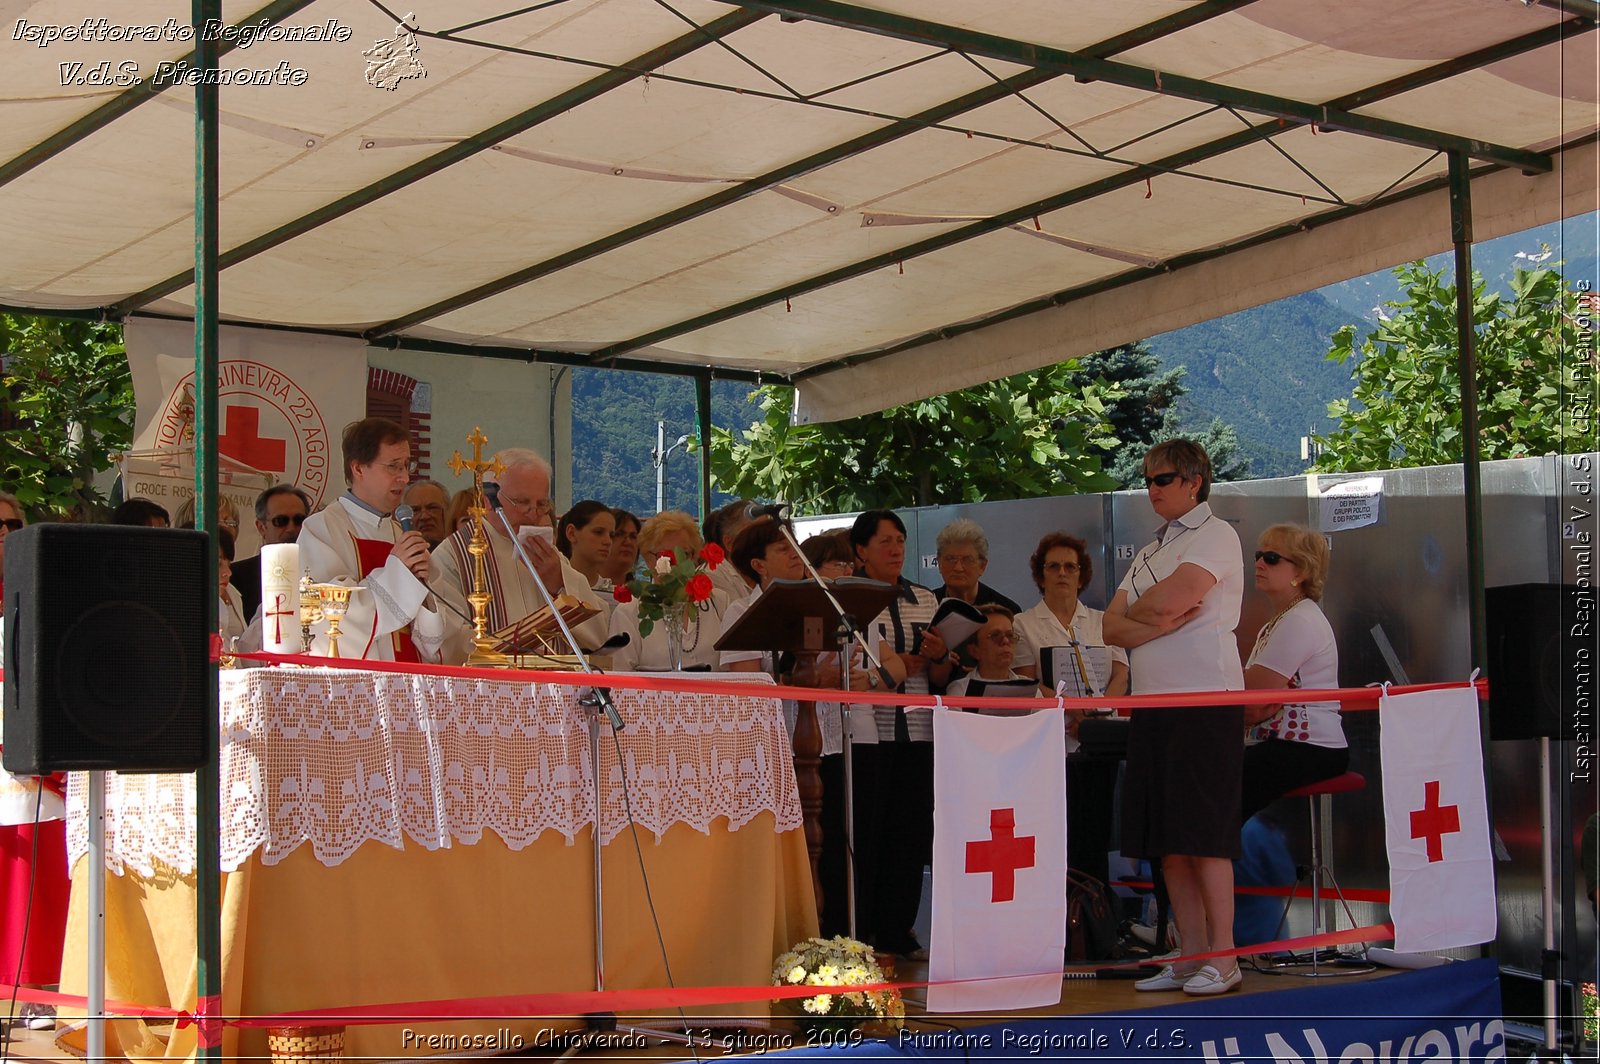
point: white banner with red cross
(283, 400)
(999, 861)
(1441, 868)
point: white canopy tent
(877, 203)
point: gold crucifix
(478, 546)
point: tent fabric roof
(878, 202)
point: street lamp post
(658, 458)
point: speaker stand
(96, 1019)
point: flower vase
(674, 626)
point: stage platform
(1451, 1012)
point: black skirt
(1181, 790)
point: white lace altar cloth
(338, 758)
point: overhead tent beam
(1159, 82)
(616, 77)
(142, 93)
(1171, 163)
(1121, 280)
(855, 146)
(651, 226)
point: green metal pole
(702, 409)
(1467, 365)
(208, 832)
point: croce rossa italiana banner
(283, 399)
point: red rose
(621, 593)
(672, 559)
(712, 555)
(698, 588)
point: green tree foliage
(66, 401)
(1029, 435)
(1220, 440)
(1405, 407)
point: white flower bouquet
(834, 966)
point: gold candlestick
(479, 597)
(335, 601)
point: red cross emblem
(1433, 821)
(1001, 854)
(243, 441)
(276, 613)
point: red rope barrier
(652, 999)
(1350, 698)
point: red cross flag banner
(1441, 870)
(999, 861)
(283, 399)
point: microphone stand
(597, 700)
(848, 633)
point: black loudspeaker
(105, 643)
(1541, 650)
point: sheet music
(1061, 666)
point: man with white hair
(524, 503)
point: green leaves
(1405, 408)
(66, 399)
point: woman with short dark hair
(1175, 611)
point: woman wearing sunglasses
(1175, 612)
(1291, 744)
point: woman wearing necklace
(1175, 611)
(1291, 744)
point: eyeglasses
(1161, 480)
(1271, 557)
(282, 520)
(965, 560)
(538, 506)
(1001, 638)
(12, 524)
(407, 466)
(836, 566)
(1060, 567)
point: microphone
(404, 514)
(491, 494)
(778, 511)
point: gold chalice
(335, 602)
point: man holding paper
(357, 542)
(525, 508)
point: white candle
(280, 598)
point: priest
(357, 541)
(524, 503)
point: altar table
(392, 837)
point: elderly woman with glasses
(962, 553)
(1061, 569)
(1291, 744)
(1175, 611)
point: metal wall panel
(1397, 599)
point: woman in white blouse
(1175, 611)
(1292, 744)
(675, 531)
(1061, 568)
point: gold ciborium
(310, 610)
(335, 602)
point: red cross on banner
(1001, 854)
(1433, 821)
(242, 440)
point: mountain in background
(1261, 370)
